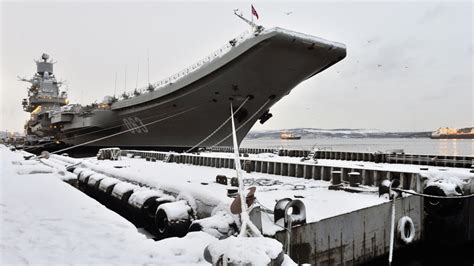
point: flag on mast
(254, 12)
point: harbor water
(449, 147)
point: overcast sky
(409, 64)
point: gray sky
(425, 50)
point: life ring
(406, 230)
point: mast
(115, 86)
(125, 81)
(148, 63)
(138, 69)
(250, 22)
(256, 29)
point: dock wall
(352, 238)
(377, 157)
(370, 177)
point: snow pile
(219, 225)
(123, 187)
(84, 174)
(46, 221)
(243, 250)
(138, 198)
(94, 178)
(33, 169)
(176, 211)
(59, 168)
(78, 170)
(171, 177)
(451, 185)
(107, 182)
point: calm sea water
(413, 146)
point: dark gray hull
(264, 69)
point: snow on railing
(174, 78)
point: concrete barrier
(352, 238)
(308, 170)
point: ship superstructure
(191, 108)
(44, 97)
(288, 135)
(453, 133)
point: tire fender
(406, 230)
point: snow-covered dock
(199, 182)
(391, 156)
(152, 188)
(46, 221)
(369, 174)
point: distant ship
(190, 109)
(453, 133)
(284, 135)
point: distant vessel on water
(188, 110)
(285, 135)
(453, 133)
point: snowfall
(44, 220)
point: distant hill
(335, 133)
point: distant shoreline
(312, 133)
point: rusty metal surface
(352, 238)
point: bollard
(354, 179)
(336, 177)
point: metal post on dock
(336, 177)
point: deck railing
(174, 78)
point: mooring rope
(219, 127)
(243, 124)
(392, 233)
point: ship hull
(196, 111)
(290, 138)
(454, 136)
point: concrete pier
(351, 238)
(309, 170)
(399, 158)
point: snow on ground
(46, 221)
(265, 249)
(199, 181)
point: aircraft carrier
(188, 110)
